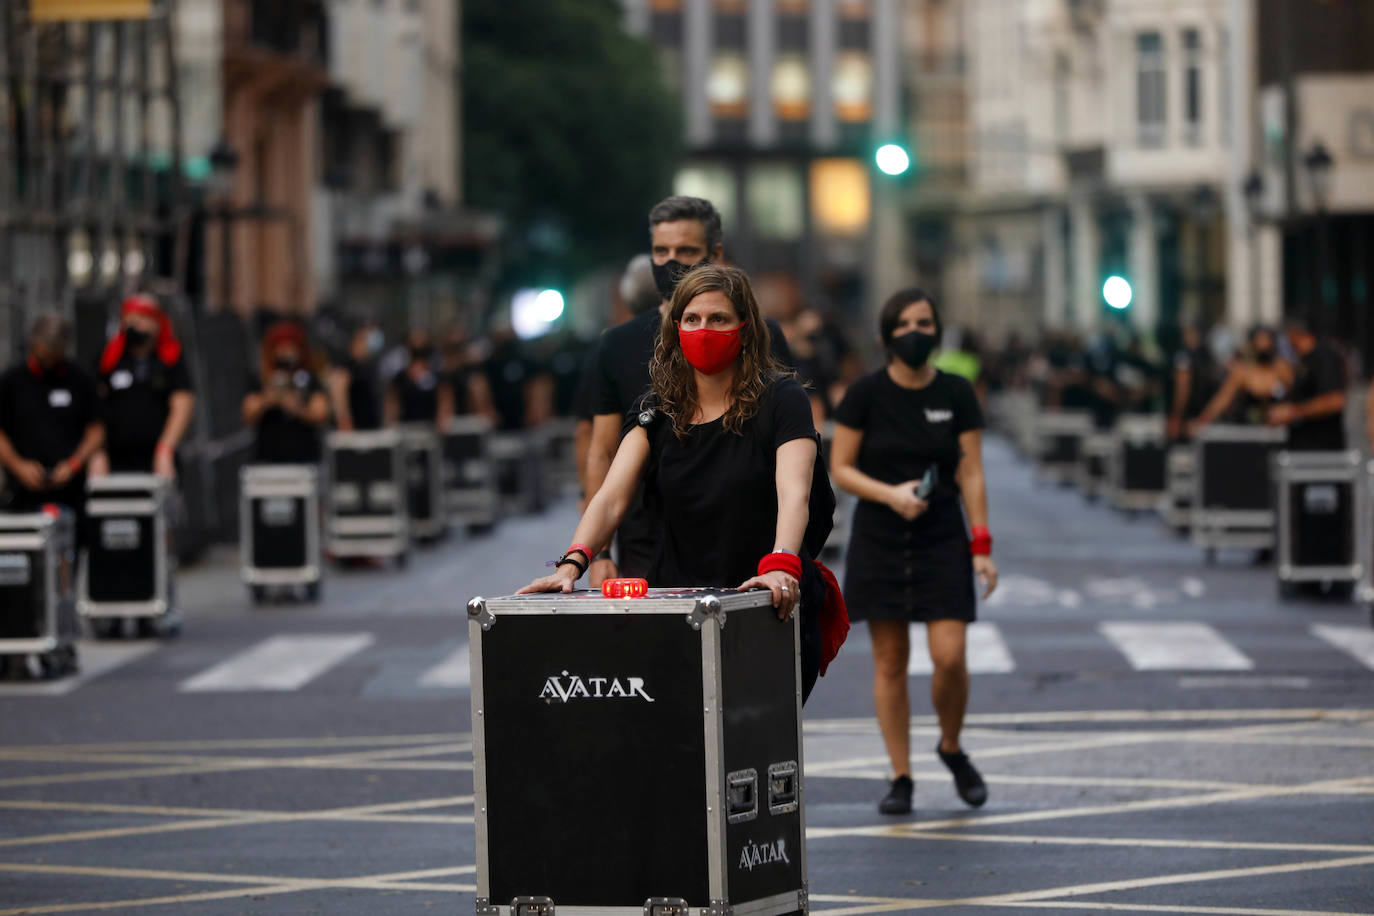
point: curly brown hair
(672, 379)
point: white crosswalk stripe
(279, 663)
(94, 658)
(1175, 647)
(453, 671)
(985, 650)
(1357, 642)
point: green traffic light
(892, 159)
(1116, 291)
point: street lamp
(1318, 163)
(224, 162)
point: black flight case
(1233, 497)
(653, 745)
(128, 573)
(366, 508)
(1179, 488)
(38, 590)
(424, 482)
(469, 476)
(1320, 506)
(1139, 477)
(279, 529)
(1059, 436)
(519, 461)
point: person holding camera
(286, 404)
(908, 443)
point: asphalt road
(1158, 737)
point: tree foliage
(570, 131)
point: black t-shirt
(1320, 372)
(419, 397)
(906, 431)
(507, 372)
(623, 355)
(1204, 380)
(283, 438)
(45, 416)
(583, 407)
(716, 491)
(364, 404)
(138, 399)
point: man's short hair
(678, 207)
(51, 331)
(637, 287)
(1299, 322)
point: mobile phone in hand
(927, 484)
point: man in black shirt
(146, 392)
(684, 232)
(1315, 413)
(50, 423)
(353, 387)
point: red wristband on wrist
(74, 466)
(585, 550)
(162, 449)
(980, 544)
(789, 563)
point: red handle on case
(624, 588)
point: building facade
(785, 102)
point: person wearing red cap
(286, 404)
(146, 390)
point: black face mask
(421, 354)
(136, 337)
(912, 348)
(1264, 357)
(670, 273)
(284, 363)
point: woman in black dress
(908, 443)
(726, 447)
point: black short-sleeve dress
(919, 570)
(716, 495)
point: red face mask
(709, 351)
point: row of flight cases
(126, 578)
(380, 491)
(1233, 487)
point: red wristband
(789, 563)
(583, 549)
(74, 466)
(980, 544)
(163, 449)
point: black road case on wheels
(366, 512)
(1139, 475)
(1320, 503)
(469, 474)
(128, 572)
(38, 589)
(651, 746)
(1233, 495)
(1176, 505)
(279, 524)
(519, 461)
(424, 482)
(1059, 436)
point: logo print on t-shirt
(939, 416)
(60, 397)
(121, 379)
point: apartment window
(791, 88)
(777, 201)
(853, 87)
(727, 86)
(1149, 90)
(1192, 87)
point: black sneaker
(967, 782)
(898, 800)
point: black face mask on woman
(136, 337)
(1264, 357)
(912, 348)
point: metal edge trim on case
(742, 777)
(714, 728)
(479, 613)
(777, 905)
(154, 608)
(1238, 432)
(801, 752)
(479, 754)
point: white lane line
(279, 663)
(984, 649)
(94, 658)
(1357, 642)
(1175, 647)
(454, 671)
